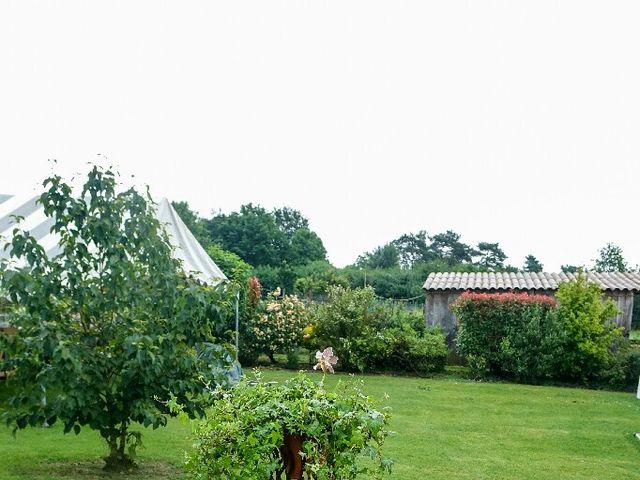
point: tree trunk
(118, 460)
(290, 452)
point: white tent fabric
(186, 248)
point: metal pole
(237, 324)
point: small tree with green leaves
(532, 264)
(589, 331)
(610, 259)
(107, 329)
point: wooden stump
(291, 459)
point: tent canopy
(186, 248)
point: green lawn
(446, 429)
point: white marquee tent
(186, 248)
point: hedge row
(533, 337)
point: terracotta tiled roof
(526, 281)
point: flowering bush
(279, 327)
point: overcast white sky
(506, 121)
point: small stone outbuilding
(443, 288)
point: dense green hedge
(506, 334)
(373, 336)
(533, 337)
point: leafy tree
(585, 318)
(388, 282)
(263, 238)
(569, 268)
(236, 269)
(282, 277)
(532, 264)
(412, 249)
(447, 246)
(316, 277)
(386, 256)
(610, 259)
(239, 273)
(490, 255)
(305, 246)
(252, 234)
(107, 329)
(194, 223)
(289, 221)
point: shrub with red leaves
(506, 297)
(508, 334)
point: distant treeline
(280, 249)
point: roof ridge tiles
(613, 281)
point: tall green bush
(370, 335)
(507, 334)
(586, 320)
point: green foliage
(239, 273)
(403, 283)
(586, 320)
(369, 335)
(263, 238)
(490, 256)
(569, 268)
(388, 282)
(532, 264)
(399, 268)
(623, 370)
(412, 249)
(282, 277)
(513, 335)
(289, 220)
(610, 259)
(386, 256)
(251, 233)
(532, 345)
(236, 269)
(448, 247)
(524, 337)
(303, 247)
(245, 431)
(108, 327)
(407, 350)
(635, 315)
(315, 278)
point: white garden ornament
(326, 360)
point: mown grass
(446, 429)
